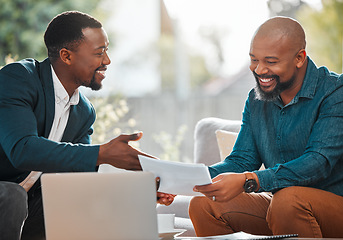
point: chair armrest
(206, 148)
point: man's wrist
(257, 180)
(100, 155)
(251, 182)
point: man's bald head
(278, 59)
(283, 28)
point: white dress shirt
(62, 108)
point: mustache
(265, 76)
(101, 68)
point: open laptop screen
(98, 206)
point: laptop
(100, 206)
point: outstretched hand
(120, 154)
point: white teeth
(101, 72)
(265, 80)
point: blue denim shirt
(300, 144)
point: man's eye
(269, 62)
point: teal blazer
(27, 110)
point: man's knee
(14, 199)
(21, 200)
(285, 204)
(13, 209)
(18, 195)
(195, 205)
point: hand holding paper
(175, 177)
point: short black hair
(65, 31)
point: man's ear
(301, 58)
(66, 56)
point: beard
(275, 93)
(94, 85)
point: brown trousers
(308, 212)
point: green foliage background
(324, 33)
(23, 22)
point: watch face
(250, 186)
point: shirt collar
(61, 93)
(309, 86)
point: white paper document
(176, 177)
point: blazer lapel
(81, 118)
(45, 75)
(72, 124)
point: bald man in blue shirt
(293, 124)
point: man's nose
(261, 69)
(106, 60)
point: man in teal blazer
(27, 107)
(46, 123)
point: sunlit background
(174, 62)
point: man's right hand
(120, 154)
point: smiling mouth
(266, 80)
(102, 72)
